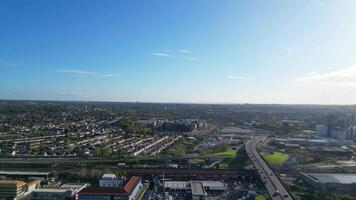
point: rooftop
(131, 184)
(12, 183)
(197, 188)
(101, 190)
(75, 186)
(24, 173)
(175, 184)
(34, 182)
(109, 176)
(334, 178)
(213, 184)
(51, 190)
(127, 189)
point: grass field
(260, 197)
(276, 158)
(229, 152)
(197, 161)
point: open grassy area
(229, 152)
(197, 161)
(260, 197)
(276, 158)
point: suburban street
(273, 185)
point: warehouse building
(333, 183)
(196, 189)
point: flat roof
(75, 186)
(334, 178)
(197, 188)
(213, 184)
(52, 190)
(108, 176)
(12, 182)
(24, 173)
(175, 184)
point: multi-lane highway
(273, 185)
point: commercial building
(12, 188)
(128, 192)
(52, 194)
(195, 189)
(322, 130)
(64, 192)
(198, 191)
(305, 142)
(331, 183)
(338, 134)
(110, 180)
(342, 154)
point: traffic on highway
(273, 185)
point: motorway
(273, 185)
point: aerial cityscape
(177, 100)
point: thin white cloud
(191, 59)
(110, 75)
(346, 76)
(238, 77)
(162, 54)
(75, 72)
(184, 51)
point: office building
(322, 130)
(196, 189)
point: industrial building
(331, 183)
(196, 189)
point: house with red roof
(128, 191)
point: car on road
(276, 193)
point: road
(273, 185)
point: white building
(110, 180)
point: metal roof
(213, 184)
(24, 173)
(197, 188)
(175, 184)
(334, 178)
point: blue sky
(202, 51)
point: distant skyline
(179, 51)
